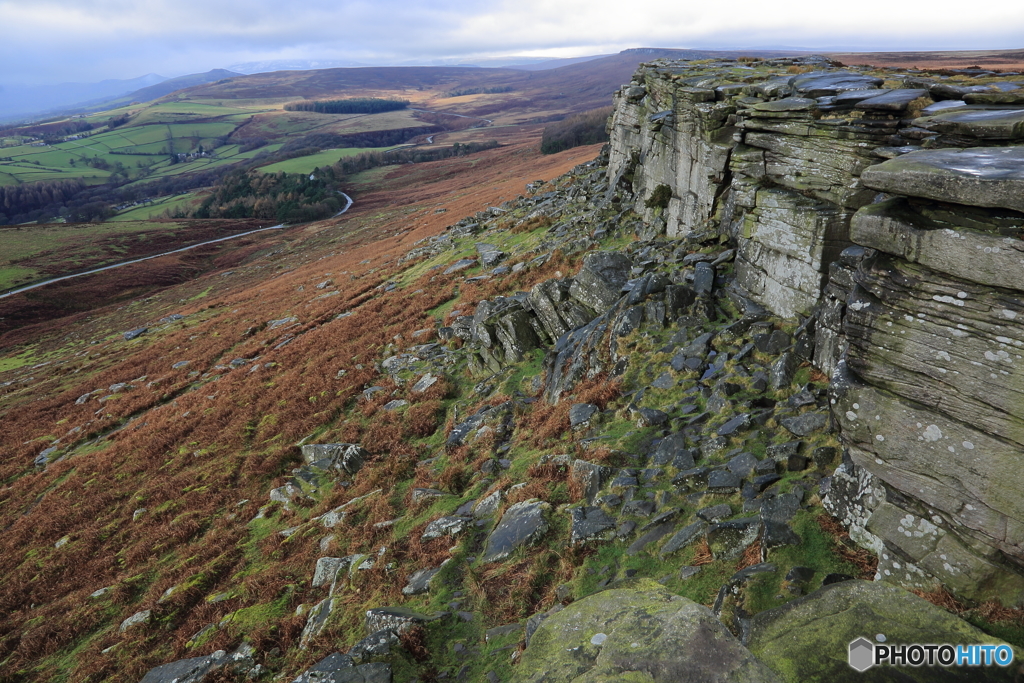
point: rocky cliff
(883, 208)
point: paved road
(166, 253)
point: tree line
(587, 128)
(355, 105)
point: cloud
(66, 40)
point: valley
(517, 416)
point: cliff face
(883, 209)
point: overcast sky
(51, 41)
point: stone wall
(886, 206)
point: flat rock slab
(977, 176)
(639, 634)
(522, 524)
(988, 124)
(825, 83)
(808, 638)
(891, 100)
(987, 258)
(589, 523)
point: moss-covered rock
(643, 633)
(807, 640)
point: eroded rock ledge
(883, 207)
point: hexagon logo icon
(862, 654)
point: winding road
(166, 253)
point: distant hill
(21, 101)
(167, 87)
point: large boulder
(599, 283)
(639, 634)
(348, 457)
(808, 640)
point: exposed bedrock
(885, 210)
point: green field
(156, 209)
(328, 157)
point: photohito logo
(864, 654)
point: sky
(54, 41)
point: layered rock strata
(884, 208)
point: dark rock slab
(891, 100)
(723, 481)
(339, 668)
(684, 537)
(742, 465)
(729, 539)
(825, 83)
(599, 283)
(805, 424)
(652, 535)
(522, 524)
(977, 176)
(581, 413)
(190, 670)
(419, 581)
(670, 448)
(715, 513)
(589, 523)
(736, 424)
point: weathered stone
(807, 638)
(891, 100)
(729, 539)
(589, 523)
(316, 621)
(340, 456)
(135, 334)
(191, 670)
(978, 176)
(461, 264)
(589, 477)
(522, 524)
(822, 83)
(645, 634)
(136, 619)
(446, 526)
(397, 619)
(723, 481)
(328, 568)
(672, 450)
(581, 413)
(684, 537)
(804, 424)
(742, 465)
(419, 581)
(339, 668)
(599, 283)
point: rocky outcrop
(643, 633)
(884, 208)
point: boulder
(191, 670)
(446, 526)
(348, 457)
(339, 668)
(589, 523)
(599, 283)
(638, 634)
(808, 639)
(522, 524)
